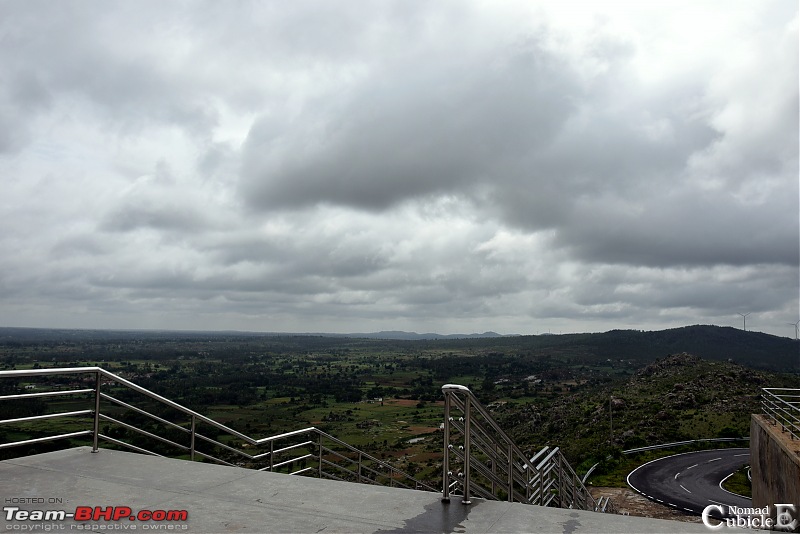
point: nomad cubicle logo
(755, 518)
(89, 518)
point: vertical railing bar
(319, 446)
(467, 452)
(574, 485)
(96, 438)
(510, 473)
(561, 481)
(271, 455)
(494, 468)
(446, 451)
(192, 444)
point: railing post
(510, 468)
(574, 484)
(191, 445)
(96, 431)
(557, 470)
(561, 482)
(446, 451)
(271, 454)
(319, 446)
(467, 439)
(494, 468)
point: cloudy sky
(450, 166)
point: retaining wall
(775, 466)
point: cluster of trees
(563, 381)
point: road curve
(691, 481)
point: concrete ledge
(228, 499)
(775, 464)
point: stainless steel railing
(156, 420)
(782, 406)
(481, 459)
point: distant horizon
(487, 334)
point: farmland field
(384, 396)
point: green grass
(739, 483)
(672, 401)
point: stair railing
(143, 421)
(481, 459)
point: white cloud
(455, 166)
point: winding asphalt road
(691, 481)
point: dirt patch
(416, 430)
(410, 402)
(629, 502)
(401, 402)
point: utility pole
(744, 320)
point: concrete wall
(775, 465)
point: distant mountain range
(399, 334)
(30, 334)
(754, 349)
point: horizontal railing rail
(149, 425)
(674, 444)
(481, 459)
(782, 406)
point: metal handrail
(289, 455)
(486, 462)
(44, 394)
(782, 405)
(500, 468)
(679, 444)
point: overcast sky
(436, 166)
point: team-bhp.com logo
(755, 518)
(93, 514)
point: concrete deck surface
(228, 499)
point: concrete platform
(228, 499)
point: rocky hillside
(675, 398)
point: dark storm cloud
(294, 260)
(527, 140)
(405, 135)
(717, 291)
(686, 228)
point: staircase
(481, 459)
